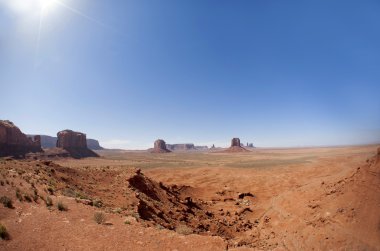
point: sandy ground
(265, 199)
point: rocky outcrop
(70, 139)
(235, 142)
(75, 143)
(160, 147)
(93, 144)
(236, 146)
(14, 143)
(51, 142)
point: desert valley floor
(265, 199)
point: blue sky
(275, 73)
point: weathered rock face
(93, 144)
(69, 139)
(51, 142)
(14, 143)
(235, 142)
(75, 143)
(160, 147)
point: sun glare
(47, 6)
(32, 7)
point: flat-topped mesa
(14, 143)
(69, 139)
(160, 147)
(75, 143)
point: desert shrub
(3, 232)
(61, 206)
(19, 195)
(183, 229)
(2, 183)
(35, 195)
(127, 222)
(48, 201)
(7, 202)
(99, 217)
(97, 203)
(28, 198)
(50, 190)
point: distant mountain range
(50, 142)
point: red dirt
(330, 203)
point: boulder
(75, 143)
(14, 143)
(160, 147)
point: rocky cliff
(14, 143)
(51, 142)
(75, 143)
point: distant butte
(160, 147)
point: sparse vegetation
(127, 222)
(27, 198)
(61, 206)
(97, 203)
(99, 217)
(50, 190)
(48, 201)
(7, 202)
(19, 195)
(183, 229)
(4, 235)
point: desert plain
(324, 198)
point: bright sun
(33, 7)
(47, 5)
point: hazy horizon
(273, 73)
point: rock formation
(93, 144)
(236, 146)
(14, 143)
(235, 142)
(160, 147)
(75, 143)
(51, 142)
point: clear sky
(274, 73)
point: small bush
(7, 202)
(27, 198)
(50, 190)
(61, 206)
(3, 232)
(99, 217)
(127, 222)
(97, 203)
(48, 201)
(183, 229)
(19, 195)
(2, 183)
